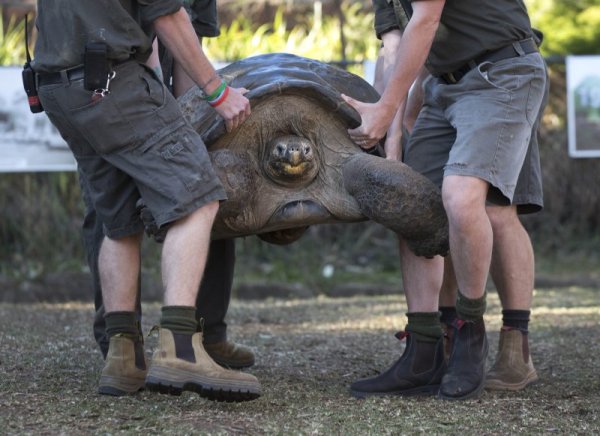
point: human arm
(410, 57)
(177, 34)
(414, 102)
(385, 66)
(153, 61)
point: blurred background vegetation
(41, 212)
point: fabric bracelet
(221, 97)
(217, 92)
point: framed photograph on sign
(583, 94)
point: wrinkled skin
(291, 164)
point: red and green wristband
(219, 95)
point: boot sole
(473, 394)
(118, 386)
(174, 382)
(420, 391)
(231, 364)
(499, 385)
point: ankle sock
(470, 309)
(179, 319)
(124, 323)
(516, 319)
(425, 326)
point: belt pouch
(95, 65)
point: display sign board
(583, 91)
(28, 142)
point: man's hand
(235, 108)
(374, 122)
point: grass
(308, 352)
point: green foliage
(40, 223)
(569, 26)
(12, 42)
(317, 38)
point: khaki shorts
(133, 143)
(485, 126)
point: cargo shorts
(133, 143)
(485, 126)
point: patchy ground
(308, 352)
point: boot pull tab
(458, 323)
(401, 335)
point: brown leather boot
(448, 334)
(180, 363)
(124, 372)
(418, 371)
(230, 355)
(465, 376)
(513, 369)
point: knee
(503, 217)
(464, 198)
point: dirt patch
(308, 352)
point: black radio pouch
(95, 66)
(29, 76)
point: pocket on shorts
(183, 159)
(520, 77)
(124, 118)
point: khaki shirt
(468, 28)
(66, 26)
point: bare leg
(422, 279)
(449, 290)
(470, 232)
(512, 265)
(184, 255)
(119, 265)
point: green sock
(470, 309)
(425, 326)
(179, 319)
(124, 323)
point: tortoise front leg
(392, 194)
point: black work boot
(418, 371)
(465, 376)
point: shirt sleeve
(385, 17)
(150, 10)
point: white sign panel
(583, 91)
(28, 142)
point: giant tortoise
(291, 164)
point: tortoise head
(290, 160)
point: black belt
(518, 48)
(69, 75)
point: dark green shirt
(468, 28)
(66, 26)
